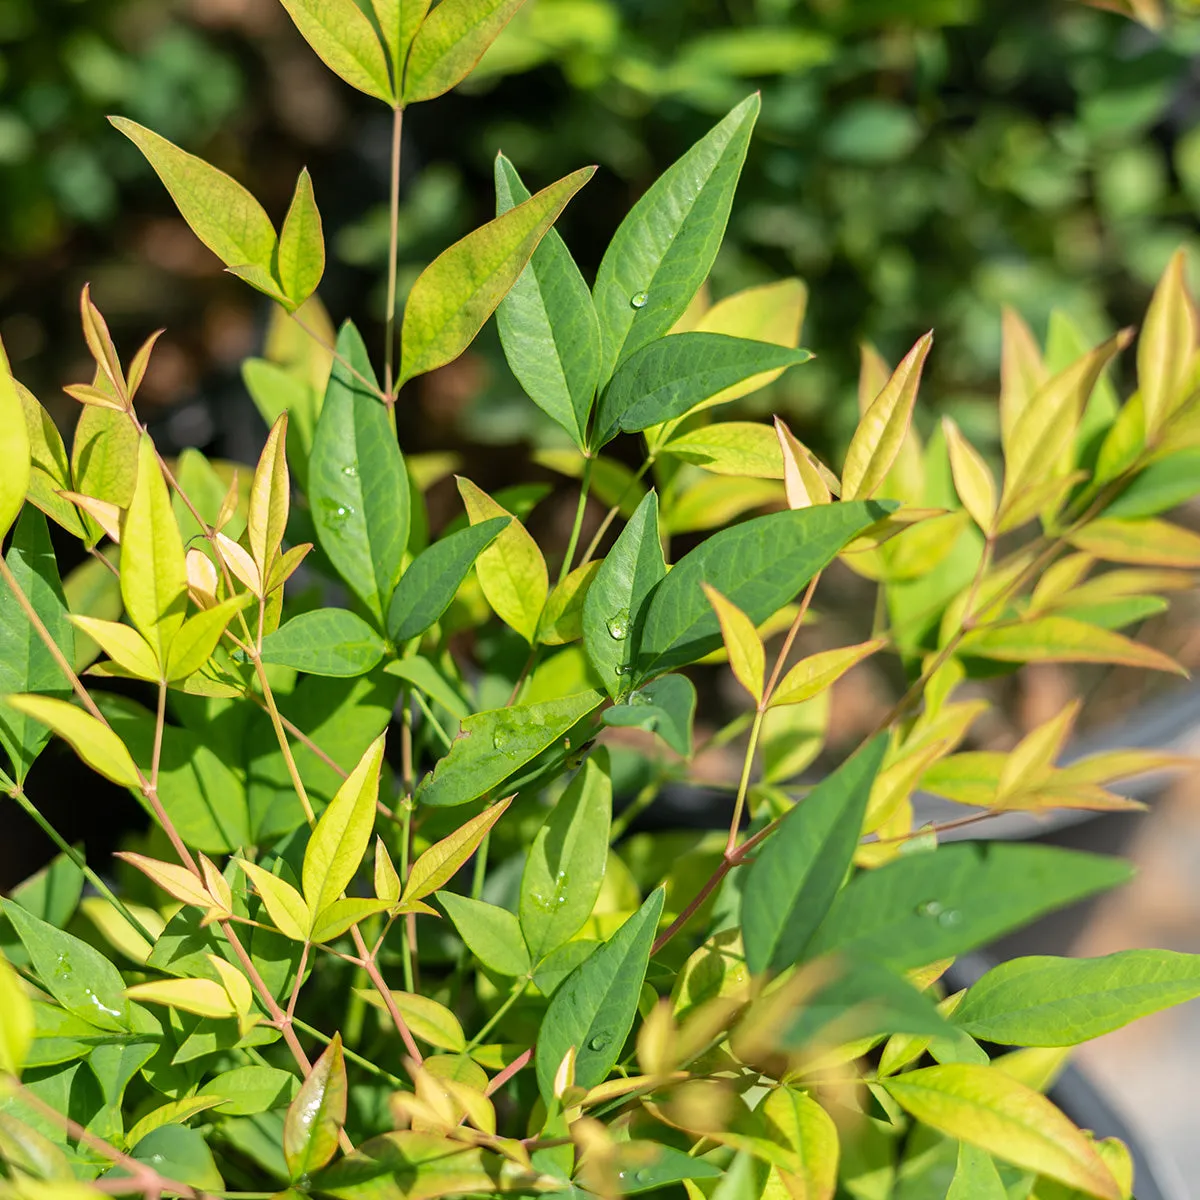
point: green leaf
(593, 1010)
(222, 214)
(975, 1176)
(301, 245)
(285, 906)
(666, 706)
(93, 741)
(548, 325)
(334, 920)
(358, 484)
(561, 621)
(315, 1117)
(16, 1031)
(491, 933)
(50, 470)
(760, 566)
(615, 606)
(429, 584)
(450, 41)
(179, 1153)
(14, 448)
(796, 875)
(990, 1110)
(104, 457)
(1043, 1001)
(671, 376)
(663, 250)
(245, 1091)
(399, 21)
(77, 975)
(26, 665)
(341, 34)
(565, 868)
(1161, 486)
(919, 909)
(460, 289)
(326, 641)
(343, 833)
(492, 745)
(198, 637)
(643, 1166)
(153, 575)
(422, 674)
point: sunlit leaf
(438, 865)
(93, 741)
(339, 31)
(316, 1116)
(742, 643)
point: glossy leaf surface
(315, 1117)
(326, 641)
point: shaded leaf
(666, 706)
(491, 933)
(325, 641)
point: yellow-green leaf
(512, 571)
(993, 1111)
(153, 571)
(342, 35)
(426, 1019)
(196, 640)
(820, 671)
(341, 836)
(1166, 345)
(1034, 754)
(16, 1030)
(174, 1112)
(50, 471)
(123, 644)
(802, 477)
(562, 618)
(285, 905)
(93, 741)
(317, 1114)
(450, 41)
(742, 643)
(972, 477)
(746, 449)
(333, 921)
(1022, 372)
(877, 439)
(437, 865)
(174, 879)
(794, 1119)
(14, 448)
(269, 498)
(221, 213)
(301, 245)
(200, 996)
(399, 21)
(1147, 542)
(387, 882)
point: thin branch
(393, 255)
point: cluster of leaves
(752, 1013)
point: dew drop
(498, 740)
(598, 1042)
(351, 470)
(638, 299)
(618, 625)
(949, 918)
(641, 1176)
(931, 908)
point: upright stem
(581, 508)
(611, 515)
(739, 805)
(284, 745)
(393, 254)
(160, 721)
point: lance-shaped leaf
(492, 745)
(673, 375)
(803, 480)
(460, 289)
(1043, 1001)
(813, 675)
(174, 879)
(1022, 372)
(548, 325)
(50, 470)
(336, 918)
(664, 248)
(153, 572)
(1062, 639)
(760, 566)
(325, 641)
(14, 448)
(26, 664)
(562, 617)
(744, 449)
(301, 258)
(491, 933)
(1166, 345)
(17, 1030)
(285, 905)
(269, 499)
(975, 1176)
(428, 586)
(438, 865)
(358, 484)
(972, 477)
(565, 867)
(1163, 485)
(592, 1012)
(884, 425)
(747, 658)
(93, 741)
(104, 456)
(339, 31)
(792, 1118)
(341, 836)
(316, 1116)
(197, 638)
(923, 908)
(795, 877)
(399, 21)
(511, 569)
(614, 608)
(450, 41)
(200, 996)
(222, 214)
(996, 1113)
(1146, 542)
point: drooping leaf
(325, 641)
(548, 325)
(427, 587)
(673, 375)
(316, 1116)
(358, 484)
(666, 706)
(996, 1113)
(203, 997)
(222, 214)
(796, 875)
(614, 609)
(922, 908)
(664, 248)
(760, 566)
(93, 741)
(491, 933)
(450, 41)
(26, 664)
(747, 658)
(461, 288)
(492, 745)
(564, 870)
(339, 31)
(438, 865)
(593, 1010)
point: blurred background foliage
(918, 163)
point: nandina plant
(386, 936)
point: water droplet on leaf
(618, 625)
(638, 299)
(931, 908)
(950, 918)
(598, 1042)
